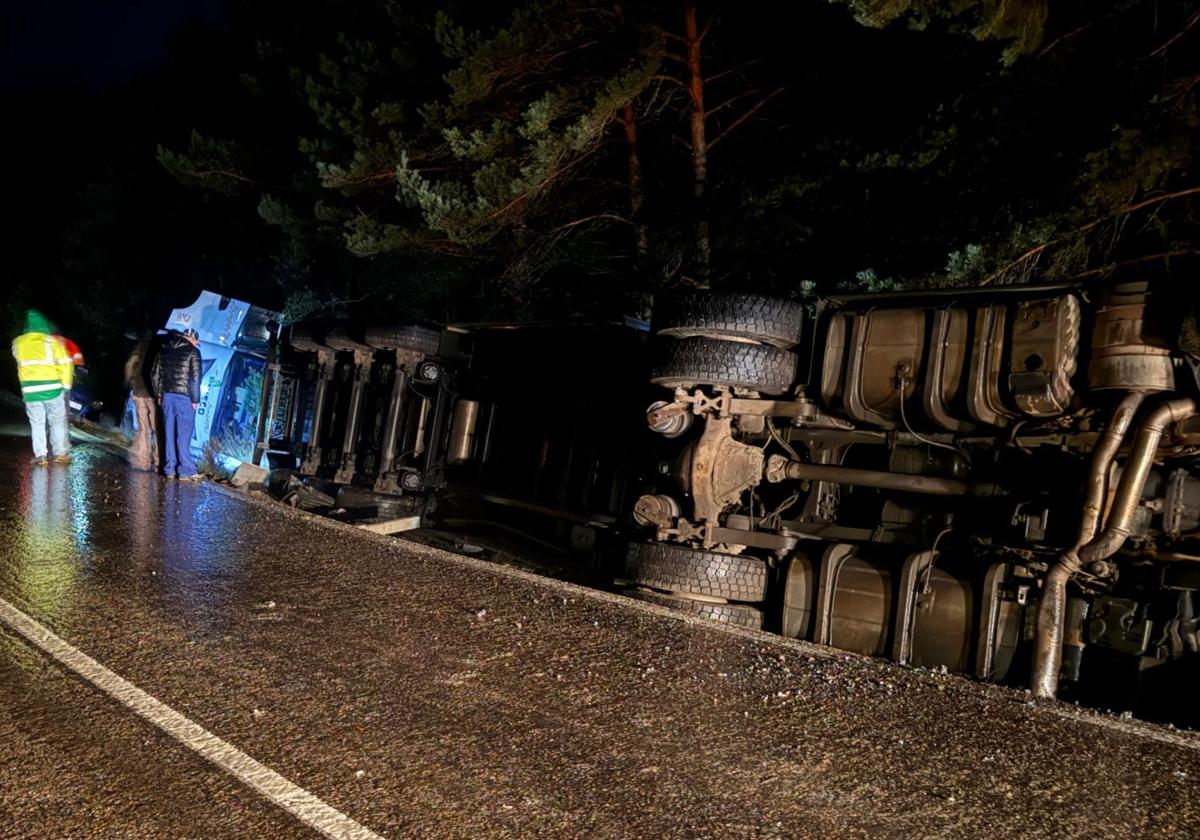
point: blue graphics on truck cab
(233, 341)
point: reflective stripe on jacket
(44, 368)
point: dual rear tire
(731, 340)
(737, 341)
(726, 588)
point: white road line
(275, 788)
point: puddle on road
(74, 535)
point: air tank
(1127, 352)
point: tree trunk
(694, 38)
(637, 191)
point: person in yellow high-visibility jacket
(46, 371)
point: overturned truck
(481, 426)
(999, 482)
(360, 415)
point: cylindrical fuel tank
(462, 431)
(1127, 352)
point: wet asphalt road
(427, 695)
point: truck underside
(451, 428)
(995, 482)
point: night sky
(82, 95)
(91, 42)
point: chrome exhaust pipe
(1133, 480)
(1091, 548)
(1102, 458)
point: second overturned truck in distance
(998, 482)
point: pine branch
(1079, 30)
(528, 193)
(1191, 23)
(1105, 269)
(730, 101)
(731, 71)
(611, 216)
(747, 115)
(1133, 208)
(371, 178)
(204, 173)
(1180, 89)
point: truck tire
(303, 340)
(737, 615)
(421, 339)
(688, 571)
(352, 497)
(731, 316)
(707, 361)
(338, 338)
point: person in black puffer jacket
(176, 380)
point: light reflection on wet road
(426, 695)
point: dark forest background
(450, 161)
